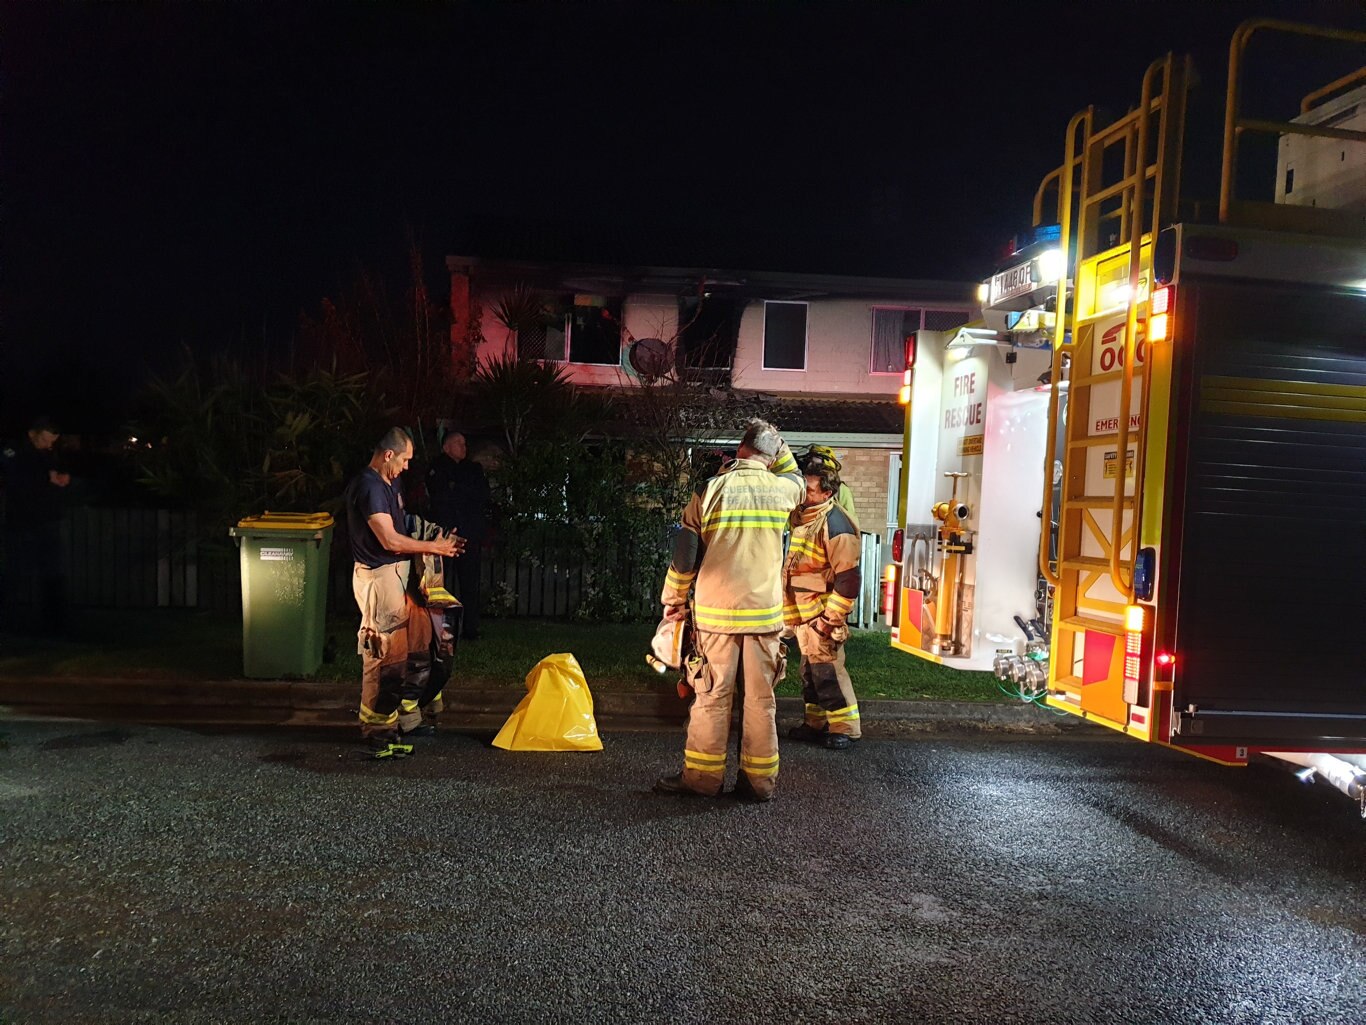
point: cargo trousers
(395, 642)
(713, 672)
(826, 687)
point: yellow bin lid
(286, 521)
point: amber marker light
(1159, 315)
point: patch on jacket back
(837, 522)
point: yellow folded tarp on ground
(557, 712)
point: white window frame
(806, 338)
(872, 336)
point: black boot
(807, 733)
(386, 746)
(674, 785)
(744, 791)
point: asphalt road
(150, 874)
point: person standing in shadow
(35, 577)
(458, 493)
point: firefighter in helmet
(824, 456)
(820, 585)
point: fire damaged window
(784, 335)
(595, 330)
(707, 329)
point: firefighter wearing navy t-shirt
(392, 625)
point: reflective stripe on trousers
(392, 627)
(724, 657)
(826, 687)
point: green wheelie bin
(284, 592)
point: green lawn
(173, 643)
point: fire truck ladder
(1122, 181)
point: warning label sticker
(1112, 464)
(971, 445)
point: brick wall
(865, 471)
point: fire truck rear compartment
(1271, 630)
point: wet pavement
(153, 874)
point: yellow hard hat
(824, 458)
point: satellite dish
(649, 357)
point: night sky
(198, 174)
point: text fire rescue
(968, 415)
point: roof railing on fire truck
(1306, 219)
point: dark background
(196, 175)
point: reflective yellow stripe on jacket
(808, 548)
(741, 519)
(838, 603)
(803, 610)
(822, 560)
(753, 620)
(729, 551)
(679, 581)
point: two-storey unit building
(822, 356)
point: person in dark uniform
(35, 580)
(459, 495)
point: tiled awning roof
(836, 416)
(823, 414)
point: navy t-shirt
(366, 495)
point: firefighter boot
(808, 733)
(384, 746)
(744, 791)
(674, 785)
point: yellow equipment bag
(557, 712)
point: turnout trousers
(465, 570)
(395, 645)
(713, 673)
(826, 687)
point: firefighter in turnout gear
(395, 635)
(820, 584)
(825, 456)
(729, 556)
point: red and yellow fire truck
(1204, 438)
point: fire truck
(1137, 488)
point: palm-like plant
(528, 401)
(321, 424)
(521, 309)
(225, 446)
